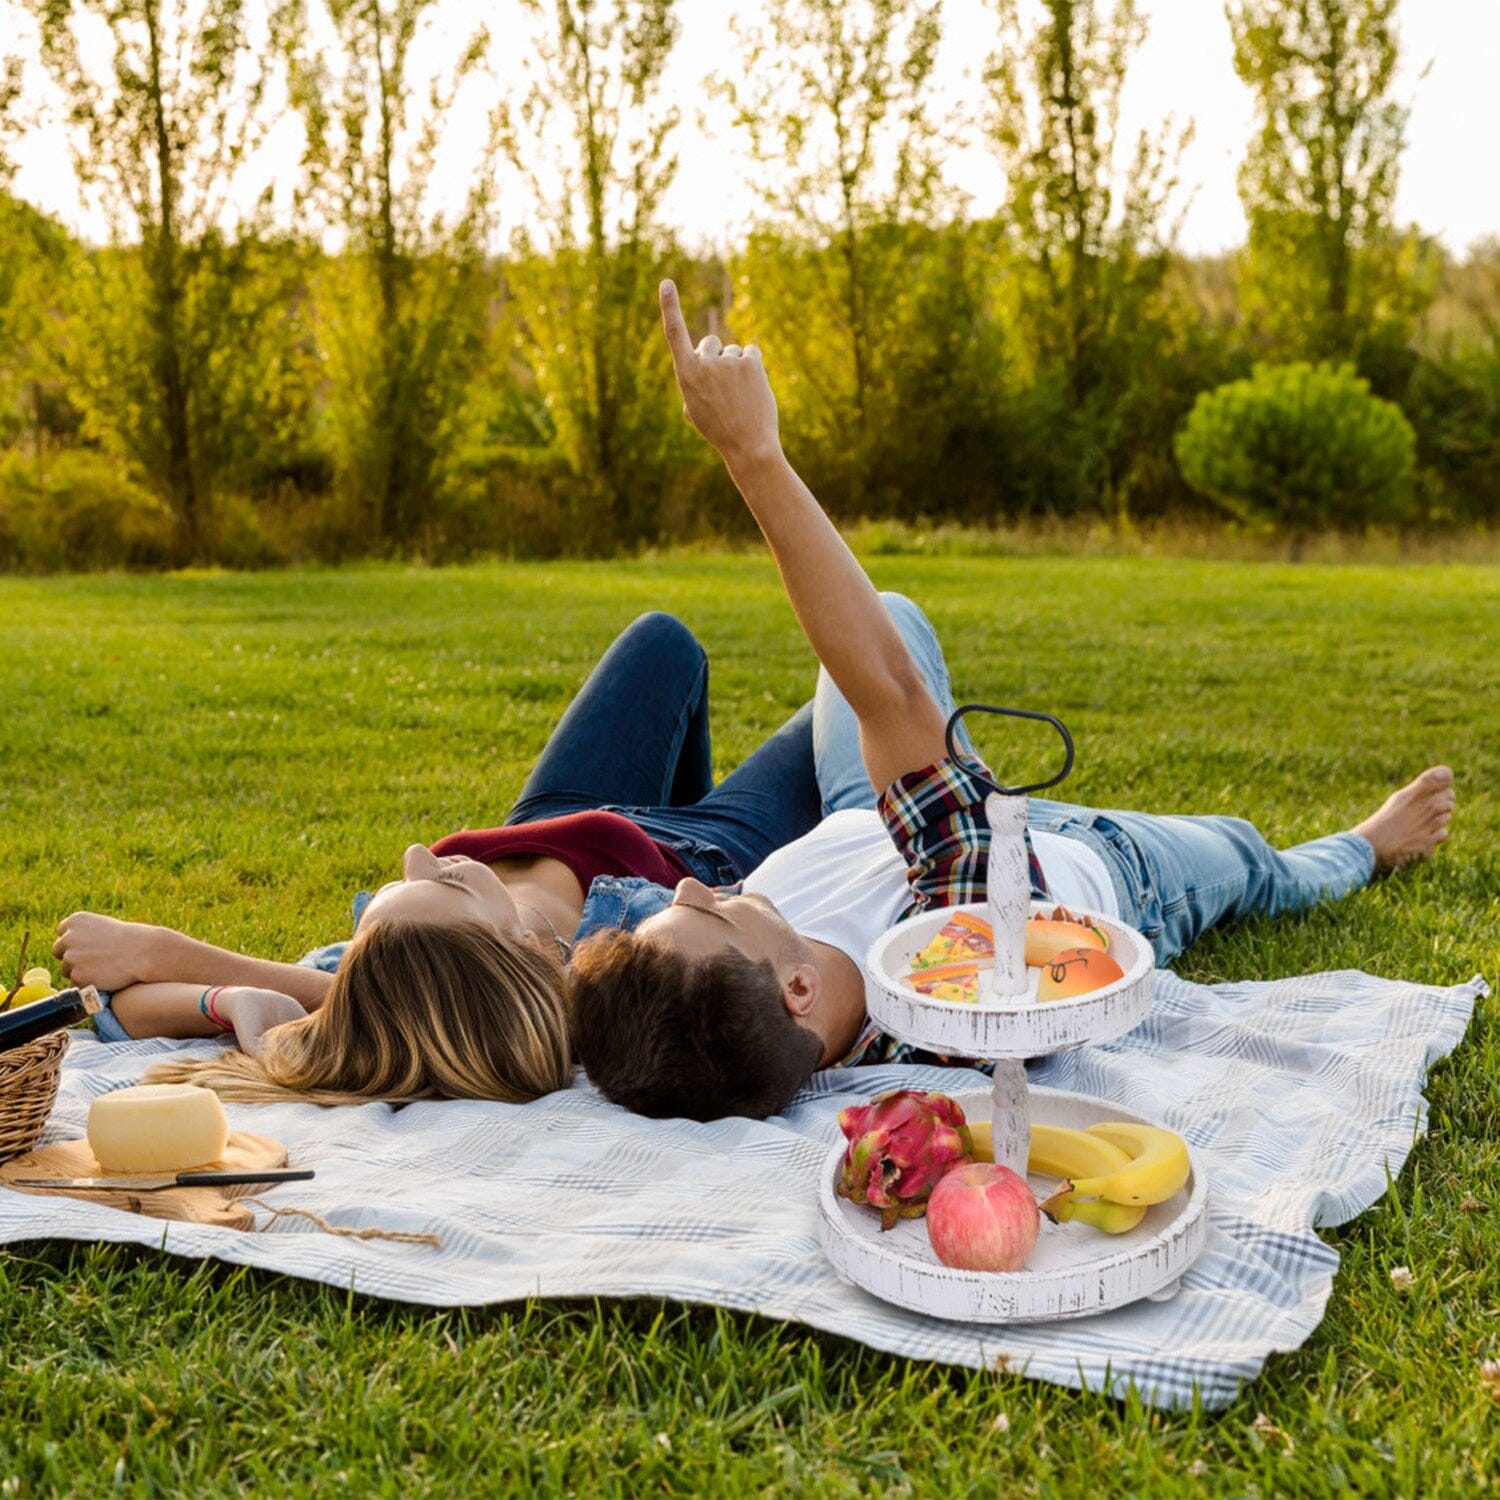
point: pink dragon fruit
(900, 1145)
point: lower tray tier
(1074, 1271)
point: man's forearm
(189, 961)
(836, 604)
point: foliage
(159, 145)
(932, 363)
(399, 311)
(78, 512)
(1326, 272)
(1304, 446)
(374, 381)
(36, 263)
(1084, 239)
(589, 138)
(837, 281)
(382, 704)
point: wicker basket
(29, 1077)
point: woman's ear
(800, 988)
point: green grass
(237, 754)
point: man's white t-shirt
(845, 882)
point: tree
(1087, 236)
(158, 143)
(1326, 272)
(400, 307)
(589, 137)
(832, 98)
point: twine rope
(400, 1236)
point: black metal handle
(956, 717)
(230, 1179)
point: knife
(155, 1184)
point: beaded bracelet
(206, 1005)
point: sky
(1450, 78)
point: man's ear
(800, 988)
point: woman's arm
(113, 955)
(176, 1010)
(727, 397)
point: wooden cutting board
(197, 1205)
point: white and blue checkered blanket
(1302, 1094)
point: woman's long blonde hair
(416, 1011)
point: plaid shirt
(935, 817)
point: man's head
(704, 1011)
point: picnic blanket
(1302, 1094)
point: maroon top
(588, 843)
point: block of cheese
(157, 1127)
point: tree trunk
(166, 281)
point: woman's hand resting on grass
(110, 954)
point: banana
(1111, 1172)
(1112, 1218)
(1158, 1166)
(1059, 1152)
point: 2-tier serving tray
(1075, 1269)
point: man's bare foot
(1411, 822)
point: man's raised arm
(727, 397)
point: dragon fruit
(900, 1146)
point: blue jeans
(1174, 876)
(636, 741)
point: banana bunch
(1111, 1172)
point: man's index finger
(673, 324)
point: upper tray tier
(1026, 1029)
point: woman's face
(446, 892)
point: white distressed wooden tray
(1030, 1028)
(1075, 1269)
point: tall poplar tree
(400, 306)
(158, 138)
(589, 136)
(1326, 272)
(832, 100)
(1087, 226)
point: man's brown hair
(666, 1035)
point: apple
(983, 1217)
(1077, 971)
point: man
(726, 1003)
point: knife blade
(175, 1180)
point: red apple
(982, 1217)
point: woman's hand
(110, 954)
(725, 393)
(253, 1012)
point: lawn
(237, 754)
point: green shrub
(78, 512)
(242, 537)
(1306, 447)
(1454, 402)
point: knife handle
(229, 1179)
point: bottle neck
(27, 1023)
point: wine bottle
(28, 1022)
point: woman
(453, 986)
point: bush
(1454, 403)
(78, 512)
(1306, 447)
